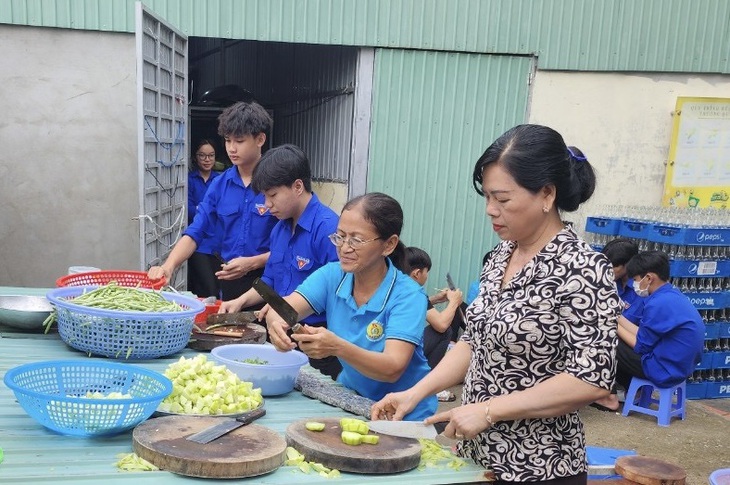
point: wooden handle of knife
(252, 416)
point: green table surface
(34, 454)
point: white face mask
(641, 291)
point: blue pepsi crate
(721, 360)
(634, 229)
(712, 331)
(668, 234)
(603, 225)
(706, 362)
(697, 390)
(690, 269)
(717, 390)
(724, 331)
(715, 300)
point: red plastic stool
(667, 406)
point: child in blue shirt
(299, 241)
(375, 312)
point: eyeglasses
(205, 155)
(354, 242)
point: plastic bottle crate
(679, 268)
(720, 360)
(724, 330)
(717, 390)
(715, 300)
(668, 234)
(712, 331)
(706, 362)
(634, 229)
(696, 390)
(603, 225)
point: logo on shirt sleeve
(303, 263)
(374, 331)
(261, 209)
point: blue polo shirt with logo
(397, 310)
(633, 304)
(234, 214)
(297, 254)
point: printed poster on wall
(698, 172)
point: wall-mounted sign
(698, 171)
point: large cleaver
(280, 306)
(408, 429)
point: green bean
(115, 297)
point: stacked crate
(697, 242)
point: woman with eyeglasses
(202, 265)
(375, 312)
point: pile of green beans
(115, 297)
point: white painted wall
(623, 123)
(68, 168)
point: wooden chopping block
(248, 451)
(649, 471)
(390, 455)
(249, 333)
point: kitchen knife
(408, 429)
(216, 431)
(452, 287)
(280, 306)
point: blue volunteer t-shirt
(235, 215)
(397, 310)
(197, 187)
(670, 337)
(297, 254)
(633, 304)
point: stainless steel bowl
(24, 312)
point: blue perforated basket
(123, 334)
(52, 393)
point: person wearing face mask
(666, 343)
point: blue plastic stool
(667, 408)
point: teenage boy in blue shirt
(231, 210)
(667, 343)
(619, 252)
(300, 240)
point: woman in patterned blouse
(541, 335)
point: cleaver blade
(408, 429)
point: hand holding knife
(452, 287)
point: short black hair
(620, 250)
(656, 262)
(282, 165)
(416, 258)
(244, 118)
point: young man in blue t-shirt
(300, 240)
(666, 344)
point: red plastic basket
(123, 278)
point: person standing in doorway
(232, 205)
(202, 264)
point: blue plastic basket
(123, 334)
(52, 393)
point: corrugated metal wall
(449, 107)
(601, 35)
(309, 88)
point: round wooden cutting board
(248, 451)
(649, 471)
(390, 455)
